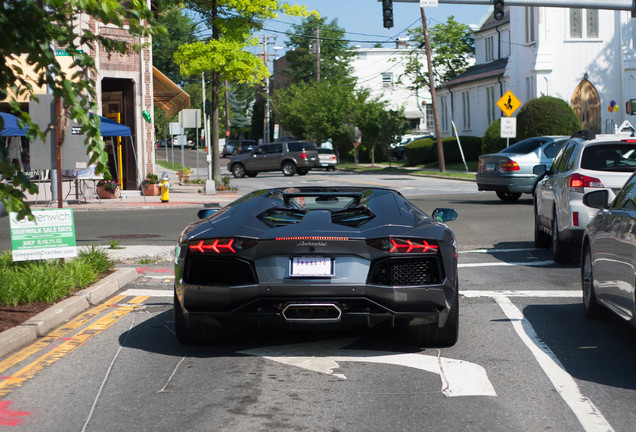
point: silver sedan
(608, 258)
(509, 172)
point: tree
(379, 125)
(546, 115)
(321, 110)
(314, 110)
(452, 45)
(223, 54)
(182, 30)
(31, 31)
(312, 35)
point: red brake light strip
(215, 247)
(410, 246)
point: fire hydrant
(165, 187)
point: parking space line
(507, 264)
(583, 408)
(524, 293)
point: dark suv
(290, 157)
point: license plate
(311, 266)
(491, 167)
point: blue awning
(110, 128)
(11, 126)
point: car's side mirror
(444, 214)
(598, 199)
(539, 170)
(206, 213)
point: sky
(362, 19)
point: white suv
(586, 162)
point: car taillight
(509, 166)
(303, 155)
(220, 245)
(577, 182)
(404, 245)
(480, 166)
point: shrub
(492, 141)
(546, 115)
(418, 152)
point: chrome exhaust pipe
(312, 312)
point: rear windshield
(527, 145)
(610, 157)
(324, 151)
(300, 146)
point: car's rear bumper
(488, 182)
(357, 305)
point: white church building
(586, 57)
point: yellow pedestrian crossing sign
(508, 103)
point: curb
(39, 325)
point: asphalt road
(526, 359)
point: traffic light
(387, 13)
(499, 9)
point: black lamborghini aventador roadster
(318, 256)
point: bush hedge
(424, 151)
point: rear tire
(303, 171)
(432, 334)
(560, 251)
(195, 334)
(288, 168)
(251, 173)
(238, 170)
(541, 239)
(186, 334)
(508, 196)
(593, 310)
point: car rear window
(527, 145)
(324, 150)
(610, 157)
(300, 146)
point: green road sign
(51, 235)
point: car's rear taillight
(303, 155)
(404, 245)
(509, 166)
(220, 245)
(577, 182)
(480, 166)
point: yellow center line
(31, 370)
(44, 342)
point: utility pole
(431, 80)
(266, 130)
(318, 54)
(227, 113)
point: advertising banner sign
(51, 235)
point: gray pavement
(83, 198)
(181, 195)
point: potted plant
(150, 185)
(107, 188)
(185, 174)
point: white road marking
(588, 415)
(506, 264)
(459, 378)
(524, 293)
(489, 251)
